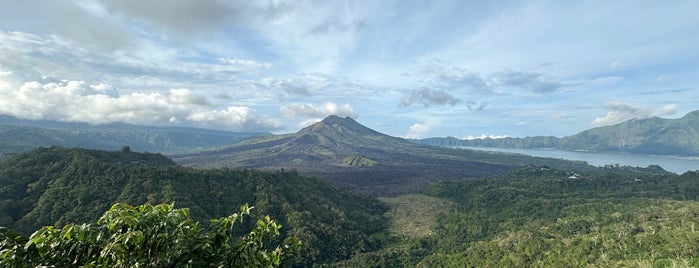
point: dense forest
(534, 216)
(57, 186)
(541, 217)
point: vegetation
(542, 217)
(148, 236)
(57, 187)
(643, 136)
(561, 215)
(17, 136)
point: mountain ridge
(352, 155)
(655, 136)
(19, 135)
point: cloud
(245, 65)
(300, 87)
(178, 17)
(531, 81)
(332, 24)
(186, 96)
(618, 112)
(308, 122)
(322, 111)
(416, 131)
(78, 21)
(438, 74)
(78, 101)
(236, 117)
(474, 106)
(486, 136)
(429, 97)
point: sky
(413, 69)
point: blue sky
(412, 69)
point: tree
(148, 236)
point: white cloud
(235, 117)
(486, 136)
(618, 112)
(186, 96)
(308, 122)
(322, 111)
(77, 101)
(241, 65)
(418, 130)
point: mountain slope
(354, 156)
(18, 135)
(55, 186)
(657, 136)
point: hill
(18, 135)
(542, 217)
(656, 136)
(55, 186)
(354, 156)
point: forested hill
(55, 186)
(17, 135)
(657, 136)
(538, 216)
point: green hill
(18, 136)
(656, 136)
(55, 186)
(543, 217)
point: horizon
(451, 68)
(481, 137)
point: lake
(673, 164)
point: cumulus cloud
(618, 112)
(186, 96)
(322, 111)
(486, 136)
(429, 97)
(78, 101)
(418, 130)
(237, 117)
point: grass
(415, 215)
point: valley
(355, 197)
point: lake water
(677, 165)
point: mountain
(656, 136)
(364, 160)
(18, 135)
(55, 186)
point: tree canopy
(148, 236)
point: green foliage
(358, 161)
(18, 136)
(542, 217)
(149, 236)
(57, 187)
